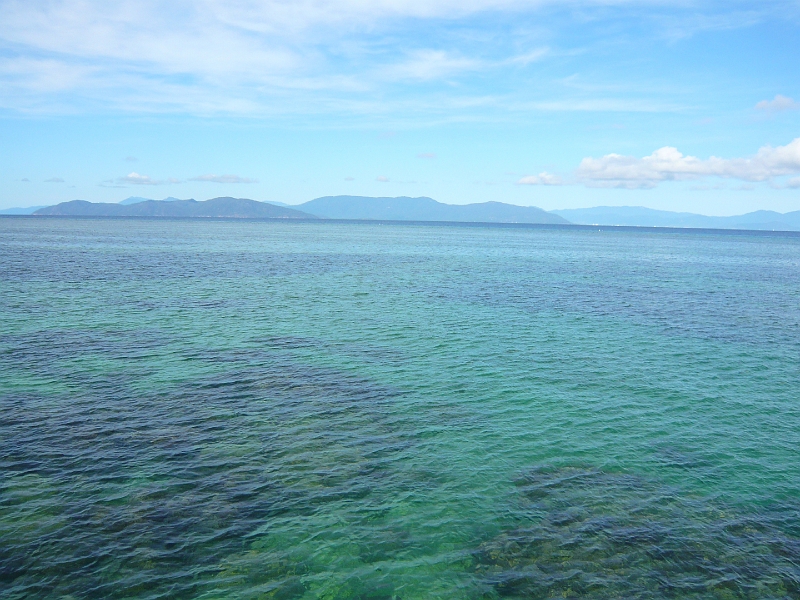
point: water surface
(219, 409)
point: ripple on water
(121, 494)
(274, 410)
(588, 533)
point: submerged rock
(594, 534)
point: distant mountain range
(137, 199)
(329, 207)
(639, 216)
(415, 209)
(218, 207)
(424, 209)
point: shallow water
(335, 410)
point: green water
(331, 410)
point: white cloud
(269, 57)
(44, 75)
(543, 178)
(426, 155)
(778, 104)
(223, 179)
(243, 56)
(136, 179)
(667, 163)
(382, 179)
(54, 180)
(793, 183)
(214, 42)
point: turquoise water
(339, 410)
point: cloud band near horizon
(669, 164)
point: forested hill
(424, 209)
(240, 208)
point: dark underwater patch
(588, 533)
(115, 491)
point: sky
(675, 105)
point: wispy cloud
(54, 180)
(427, 155)
(597, 105)
(668, 164)
(528, 57)
(223, 179)
(235, 56)
(778, 103)
(543, 178)
(382, 179)
(264, 57)
(426, 65)
(137, 179)
(429, 64)
(676, 26)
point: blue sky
(675, 105)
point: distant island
(414, 209)
(329, 207)
(639, 216)
(425, 209)
(238, 208)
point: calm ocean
(221, 409)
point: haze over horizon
(683, 107)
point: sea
(340, 410)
